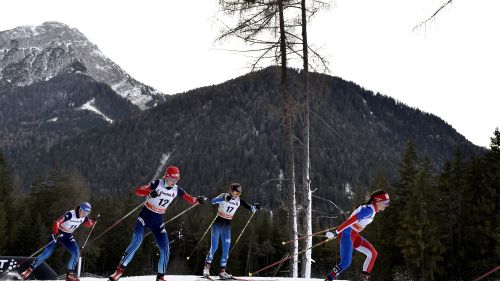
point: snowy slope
(194, 278)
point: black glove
(228, 197)
(201, 199)
(257, 205)
(154, 193)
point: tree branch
(433, 15)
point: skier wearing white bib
(349, 237)
(228, 204)
(62, 232)
(160, 193)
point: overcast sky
(448, 68)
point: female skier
(62, 232)
(348, 234)
(228, 204)
(160, 193)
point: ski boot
(364, 276)
(27, 273)
(206, 270)
(224, 275)
(118, 273)
(333, 274)
(71, 276)
(161, 277)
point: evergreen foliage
(442, 224)
(435, 220)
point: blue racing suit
(222, 226)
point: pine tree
(480, 216)
(6, 208)
(380, 235)
(450, 185)
(3, 228)
(419, 237)
(391, 252)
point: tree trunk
(306, 181)
(289, 158)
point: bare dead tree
(306, 161)
(271, 36)
(306, 180)
(262, 23)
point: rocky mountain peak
(30, 54)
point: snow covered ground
(197, 278)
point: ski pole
(116, 223)
(331, 202)
(39, 250)
(206, 231)
(178, 215)
(238, 239)
(289, 257)
(305, 236)
(92, 229)
(487, 273)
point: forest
(442, 224)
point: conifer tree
(380, 233)
(4, 199)
(3, 228)
(391, 219)
(450, 185)
(480, 217)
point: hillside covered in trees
(441, 225)
(231, 132)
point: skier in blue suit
(160, 193)
(228, 204)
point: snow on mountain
(29, 54)
(90, 105)
(195, 278)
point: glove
(228, 197)
(201, 199)
(154, 193)
(331, 235)
(255, 207)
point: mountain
(30, 54)
(55, 84)
(232, 132)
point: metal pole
(196, 247)
(289, 257)
(92, 229)
(116, 223)
(238, 239)
(305, 236)
(178, 215)
(79, 268)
